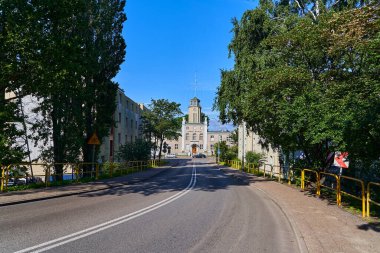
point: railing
(369, 200)
(61, 173)
(336, 188)
(294, 173)
(362, 196)
(325, 180)
(305, 179)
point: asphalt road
(192, 207)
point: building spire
(195, 85)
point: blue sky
(168, 41)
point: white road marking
(95, 229)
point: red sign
(341, 160)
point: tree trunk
(155, 148)
(57, 142)
(161, 143)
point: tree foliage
(254, 158)
(305, 79)
(224, 152)
(65, 53)
(161, 122)
(135, 151)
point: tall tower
(194, 111)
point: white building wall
(250, 141)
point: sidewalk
(16, 197)
(322, 226)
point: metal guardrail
(71, 171)
(336, 189)
(303, 180)
(292, 174)
(362, 198)
(369, 200)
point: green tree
(221, 150)
(254, 158)
(306, 76)
(66, 54)
(135, 151)
(161, 122)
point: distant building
(195, 137)
(250, 141)
(128, 122)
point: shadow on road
(175, 179)
(375, 226)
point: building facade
(250, 141)
(127, 127)
(195, 137)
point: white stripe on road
(95, 229)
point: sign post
(94, 140)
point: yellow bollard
(97, 171)
(318, 184)
(77, 173)
(368, 198)
(2, 178)
(338, 194)
(302, 180)
(363, 201)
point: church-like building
(195, 137)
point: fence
(322, 180)
(63, 173)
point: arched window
(194, 136)
(187, 136)
(200, 136)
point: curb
(114, 185)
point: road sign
(341, 160)
(94, 140)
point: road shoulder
(322, 226)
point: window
(211, 146)
(136, 124)
(212, 137)
(120, 117)
(194, 136)
(200, 136)
(119, 138)
(187, 136)
(131, 123)
(201, 146)
(187, 147)
(176, 146)
(126, 122)
(126, 139)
